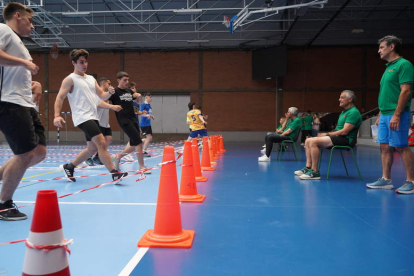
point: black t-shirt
(123, 97)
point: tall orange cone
(46, 246)
(188, 186)
(213, 147)
(167, 230)
(196, 160)
(216, 146)
(205, 156)
(211, 152)
(221, 143)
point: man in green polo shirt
(344, 134)
(306, 127)
(394, 119)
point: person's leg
(140, 155)
(128, 149)
(408, 161)
(387, 159)
(308, 153)
(100, 144)
(273, 138)
(85, 153)
(147, 141)
(315, 146)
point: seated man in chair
(290, 129)
(345, 134)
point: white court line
(134, 261)
(97, 203)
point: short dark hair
(147, 94)
(14, 7)
(392, 39)
(121, 74)
(190, 105)
(132, 84)
(75, 54)
(101, 80)
(198, 106)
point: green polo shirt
(399, 71)
(308, 122)
(353, 117)
(295, 126)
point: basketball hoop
(226, 21)
(54, 52)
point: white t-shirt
(103, 116)
(83, 99)
(15, 81)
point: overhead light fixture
(114, 42)
(357, 31)
(198, 41)
(188, 11)
(76, 14)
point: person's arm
(343, 132)
(286, 132)
(102, 94)
(65, 88)
(37, 92)
(8, 60)
(402, 102)
(103, 104)
(202, 119)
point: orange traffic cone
(211, 151)
(46, 246)
(205, 156)
(167, 230)
(196, 160)
(216, 146)
(188, 187)
(221, 143)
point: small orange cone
(205, 157)
(188, 186)
(167, 230)
(221, 143)
(46, 245)
(196, 160)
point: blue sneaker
(311, 175)
(302, 171)
(407, 188)
(381, 183)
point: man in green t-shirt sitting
(289, 131)
(345, 134)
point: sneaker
(302, 171)
(13, 214)
(89, 162)
(264, 158)
(147, 171)
(118, 176)
(115, 162)
(128, 158)
(311, 175)
(302, 144)
(146, 154)
(381, 183)
(264, 146)
(263, 151)
(407, 188)
(97, 161)
(67, 172)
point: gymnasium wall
(221, 81)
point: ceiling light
(76, 14)
(198, 41)
(188, 11)
(114, 42)
(357, 31)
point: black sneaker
(89, 162)
(146, 154)
(119, 176)
(11, 215)
(67, 172)
(97, 161)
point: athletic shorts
(90, 128)
(397, 138)
(132, 131)
(106, 131)
(146, 130)
(201, 132)
(21, 127)
(339, 140)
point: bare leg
(128, 149)
(147, 141)
(140, 155)
(408, 160)
(308, 153)
(16, 167)
(315, 145)
(387, 159)
(85, 154)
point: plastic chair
(283, 146)
(341, 149)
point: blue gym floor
(257, 219)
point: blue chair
(284, 147)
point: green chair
(341, 149)
(283, 146)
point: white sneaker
(264, 158)
(264, 146)
(302, 144)
(128, 158)
(115, 162)
(145, 172)
(263, 151)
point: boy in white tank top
(83, 91)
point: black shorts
(339, 140)
(21, 127)
(106, 131)
(90, 128)
(146, 130)
(132, 131)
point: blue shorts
(397, 138)
(201, 132)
